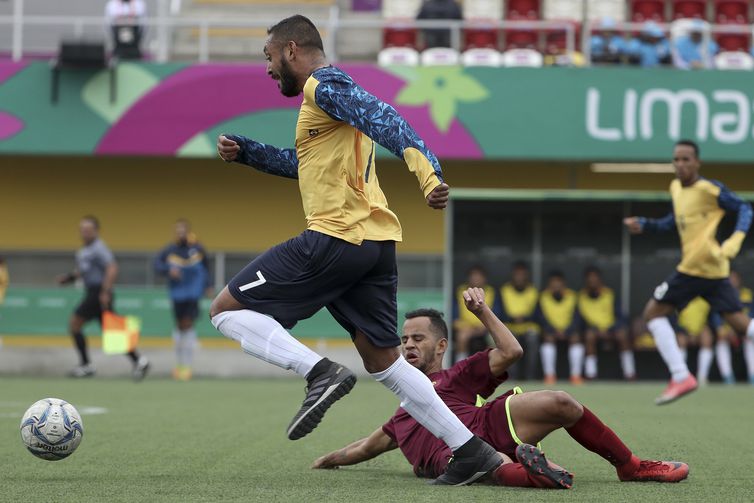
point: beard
(288, 84)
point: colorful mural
(463, 113)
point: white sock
(705, 362)
(667, 345)
(750, 330)
(419, 398)
(178, 342)
(265, 338)
(724, 359)
(590, 366)
(627, 363)
(685, 354)
(576, 358)
(189, 345)
(548, 353)
(749, 357)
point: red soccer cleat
(654, 471)
(676, 390)
(542, 472)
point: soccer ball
(52, 429)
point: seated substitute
(696, 326)
(727, 337)
(559, 321)
(517, 305)
(512, 423)
(602, 319)
(470, 334)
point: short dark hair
(299, 29)
(556, 273)
(592, 269)
(476, 268)
(520, 264)
(436, 320)
(91, 218)
(689, 143)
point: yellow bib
(694, 316)
(598, 312)
(559, 314)
(467, 316)
(520, 304)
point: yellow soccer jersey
(697, 211)
(334, 160)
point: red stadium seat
(521, 39)
(399, 37)
(689, 9)
(732, 11)
(647, 10)
(729, 42)
(480, 38)
(522, 9)
(556, 41)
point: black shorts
(356, 283)
(186, 309)
(679, 289)
(90, 307)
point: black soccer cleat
(536, 463)
(141, 367)
(472, 461)
(327, 382)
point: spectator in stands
(517, 305)
(689, 52)
(650, 48)
(470, 334)
(4, 280)
(603, 320)
(607, 46)
(125, 19)
(438, 9)
(558, 318)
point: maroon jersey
(458, 387)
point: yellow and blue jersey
(601, 311)
(558, 314)
(334, 159)
(463, 315)
(518, 304)
(697, 211)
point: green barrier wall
(45, 311)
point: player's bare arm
(367, 448)
(507, 349)
(106, 294)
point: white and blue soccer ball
(52, 429)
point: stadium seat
(400, 9)
(689, 9)
(481, 57)
(647, 10)
(522, 9)
(476, 10)
(734, 61)
(394, 36)
(475, 38)
(440, 56)
(398, 56)
(521, 39)
(732, 11)
(601, 9)
(563, 9)
(731, 42)
(556, 40)
(522, 57)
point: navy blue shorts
(679, 289)
(356, 283)
(185, 309)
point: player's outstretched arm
(507, 349)
(638, 225)
(262, 157)
(361, 450)
(343, 100)
(730, 201)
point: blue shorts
(356, 283)
(185, 309)
(679, 289)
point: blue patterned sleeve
(345, 101)
(266, 158)
(729, 201)
(664, 224)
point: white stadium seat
(563, 9)
(613, 9)
(491, 10)
(481, 57)
(522, 57)
(400, 9)
(440, 56)
(734, 60)
(398, 56)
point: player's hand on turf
(323, 463)
(474, 300)
(438, 198)
(633, 224)
(227, 148)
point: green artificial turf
(224, 440)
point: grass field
(224, 440)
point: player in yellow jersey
(345, 260)
(698, 206)
(602, 319)
(559, 320)
(470, 335)
(517, 305)
(726, 337)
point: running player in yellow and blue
(698, 206)
(345, 260)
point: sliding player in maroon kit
(509, 422)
